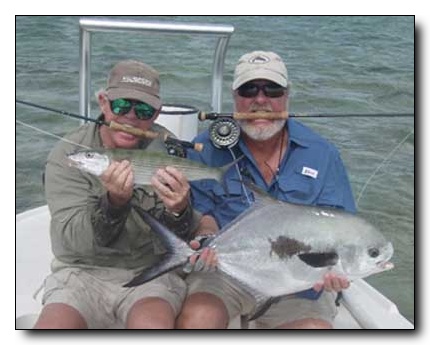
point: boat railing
(88, 26)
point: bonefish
(144, 164)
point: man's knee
(151, 313)
(60, 316)
(203, 311)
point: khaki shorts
(98, 293)
(239, 302)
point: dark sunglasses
(122, 106)
(250, 90)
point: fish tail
(177, 254)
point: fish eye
(89, 155)
(373, 252)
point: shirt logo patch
(310, 172)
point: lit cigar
(133, 130)
(261, 115)
(153, 135)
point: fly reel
(175, 150)
(224, 132)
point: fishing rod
(284, 115)
(168, 140)
(224, 130)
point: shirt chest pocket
(232, 191)
(299, 188)
(229, 201)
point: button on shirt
(311, 173)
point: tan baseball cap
(260, 65)
(135, 80)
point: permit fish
(144, 164)
(276, 248)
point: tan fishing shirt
(86, 230)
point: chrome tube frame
(87, 26)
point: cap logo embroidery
(259, 59)
(136, 80)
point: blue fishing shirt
(310, 173)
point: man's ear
(103, 102)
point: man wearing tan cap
(288, 161)
(99, 241)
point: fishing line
(382, 163)
(240, 177)
(51, 134)
(171, 143)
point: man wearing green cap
(98, 239)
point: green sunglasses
(122, 106)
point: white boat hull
(362, 305)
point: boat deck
(32, 266)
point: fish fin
(319, 259)
(260, 195)
(167, 236)
(263, 307)
(226, 167)
(254, 206)
(263, 302)
(244, 214)
(223, 171)
(161, 267)
(177, 254)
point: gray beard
(261, 134)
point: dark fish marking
(286, 247)
(319, 259)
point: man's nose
(261, 98)
(131, 114)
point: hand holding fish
(205, 260)
(332, 282)
(172, 188)
(118, 180)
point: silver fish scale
(145, 164)
(143, 171)
(247, 251)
